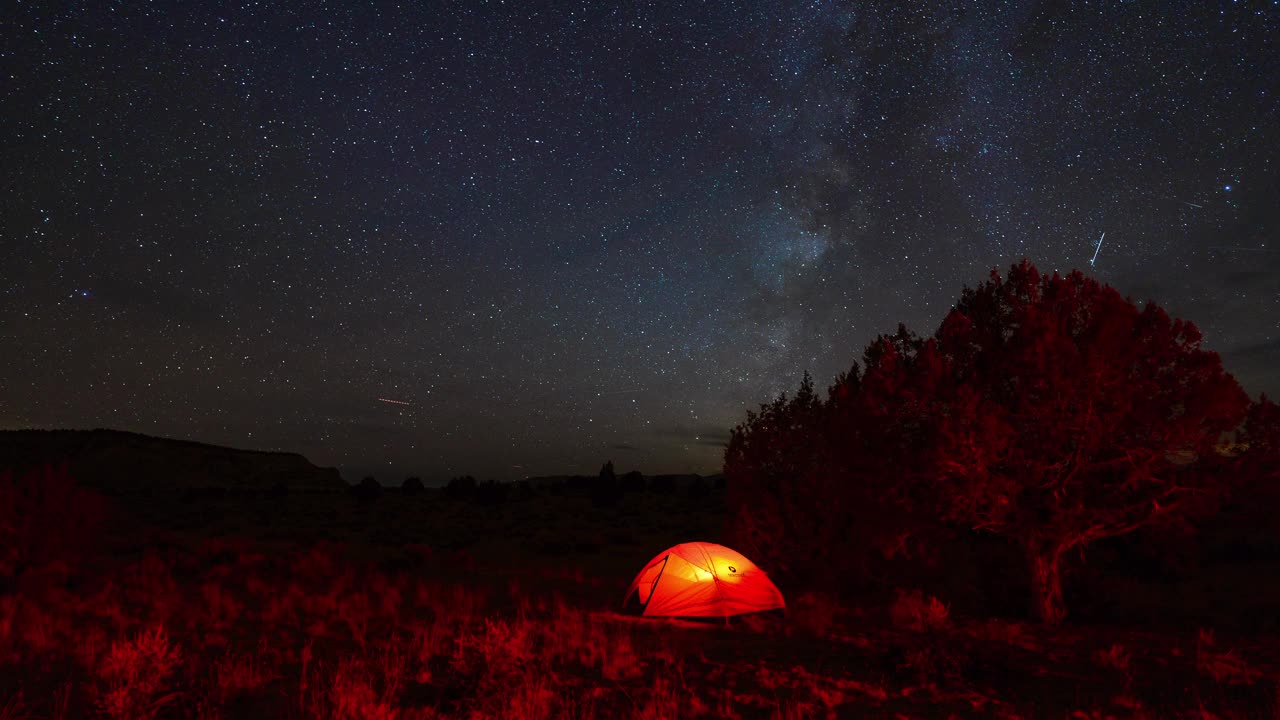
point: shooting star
(394, 402)
(1097, 249)
(1198, 207)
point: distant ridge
(668, 480)
(119, 462)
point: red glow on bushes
(227, 628)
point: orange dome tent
(700, 579)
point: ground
(324, 605)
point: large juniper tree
(1056, 412)
(1050, 410)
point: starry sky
(567, 232)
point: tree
(412, 486)
(632, 481)
(491, 492)
(461, 487)
(1055, 412)
(772, 499)
(812, 485)
(1257, 461)
(1259, 440)
(368, 489)
(607, 491)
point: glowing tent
(700, 579)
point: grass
(192, 624)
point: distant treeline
(607, 488)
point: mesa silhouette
(125, 463)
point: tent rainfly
(699, 579)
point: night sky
(565, 232)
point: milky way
(562, 233)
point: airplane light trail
(394, 402)
(1095, 250)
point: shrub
(133, 678)
(1223, 666)
(492, 493)
(916, 611)
(352, 695)
(461, 487)
(1116, 657)
(633, 481)
(368, 489)
(236, 674)
(934, 664)
(813, 613)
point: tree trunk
(1046, 583)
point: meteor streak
(1095, 250)
(620, 392)
(394, 402)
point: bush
(368, 489)
(810, 493)
(492, 492)
(133, 679)
(461, 487)
(914, 610)
(1223, 666)
(524, 490)
(813, 613)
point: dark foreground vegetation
(1047, 414)
(510, 611)
(931, 521)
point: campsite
(510, 602)
(600, 360)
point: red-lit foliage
(227, 628)
(1258, 452)
(768, 458)
(1058, 413)
(1046, 409)
(916, 611)
(135, 676)
(809, 491)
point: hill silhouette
(117, 462)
